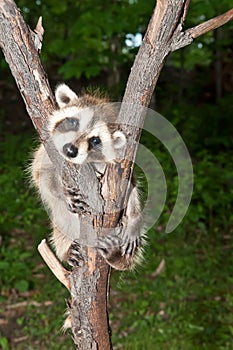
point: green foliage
(14, 184)
(213, 185)
(85, 38)
(19, 213)
(212, 199)
(4, 343)
(187, 306)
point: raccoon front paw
(131, 237)
(75, 255)
(108, 243)
(130, 245)
(110, 248)
(76, 201)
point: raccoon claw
(74, 255)
(127, 247)
(130, 247)
(76, 201)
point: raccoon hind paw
(75, 255)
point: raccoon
(85, 130)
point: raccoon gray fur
(85, 129)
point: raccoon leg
(75, 255)
(76, 201)
(124, 252)
(109, 247)
(61, 243)
(121, 252)
(131, 233)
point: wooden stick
(54, 264)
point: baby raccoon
(84, 129)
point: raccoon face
(81, 132)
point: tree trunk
(88, 283)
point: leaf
(22, 286)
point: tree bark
(89, 283)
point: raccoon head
(84, 129)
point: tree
(20, 46)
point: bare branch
(17, 43)
(22, 304)
(211, 24)
(54, 264)
(39, 32)
(159, 269)
(182, 39)
(186, 7)
(39, 28)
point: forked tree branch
(89, 283)
(185, 38)
(211, 24)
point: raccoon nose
(70, 150)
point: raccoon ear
(119, 139)
(64, 95)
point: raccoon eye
(94, 141)
(70, 150)
(71, 124)
(68, 124)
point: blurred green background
(187, 303)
